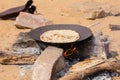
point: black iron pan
(84, 32)
(12, 13)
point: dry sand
(52, 10)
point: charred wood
(10, 59)
(88, 67)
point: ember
(70, 51)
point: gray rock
(48, 64)
(25, 45)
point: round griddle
(84, 32)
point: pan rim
(35, 33)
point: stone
(26, 20)
(48, 63)
(91, 10)
(114, 10)
(88, 9)
(25, 45)
(101, 45)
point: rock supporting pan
(84, 32)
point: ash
(23, 69)
(105, 75)
(25, 66)
(68, 65)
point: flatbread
(60, 36)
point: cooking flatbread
(59, 36)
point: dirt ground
(51, 10)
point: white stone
(48, 63)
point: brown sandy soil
(13, 72)
(52, 10)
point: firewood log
(88, 67)
(10, 59)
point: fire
(70, 51)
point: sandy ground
(51, 10)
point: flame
(70, 51)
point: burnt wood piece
(114, 27)
(13, 59)
(89, 67)
(84, 32)
(27, 5)
(12, 13)
(32, 9)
